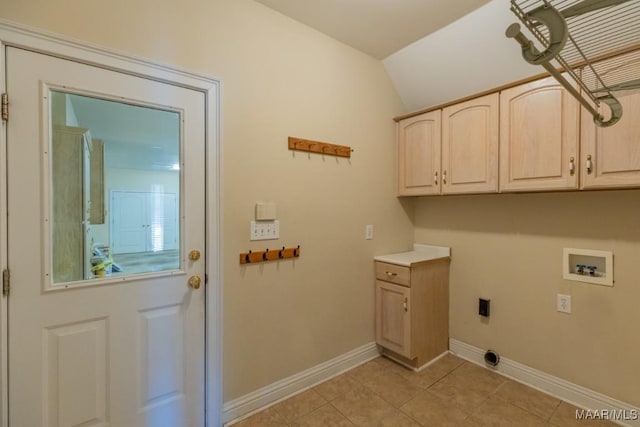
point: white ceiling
(469, 56)
(135, 137)
(376, 27)
(428, 65)
(434, 51)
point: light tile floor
(146, 262)
(450, 392)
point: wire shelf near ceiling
(569, 36)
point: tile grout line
(379, 369)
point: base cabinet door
(393, 317)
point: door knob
(194, 282)
(194, 255)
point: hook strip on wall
(300, 144)
(253, 257)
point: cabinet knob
(406, 300)
(589, 164)
(390, 274)
(444, 176)
(572, 166)
(435, 178)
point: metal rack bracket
(568, 35)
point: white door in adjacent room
(143, 222)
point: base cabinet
(412, 310)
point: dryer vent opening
(491, 358)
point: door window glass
(115, 188)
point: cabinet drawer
(393, 273)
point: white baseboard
(569, 392)
(413, 368)
(280, 390)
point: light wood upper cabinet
(462, 157)
(71, 254)
(611, 156)
(470, 146)
(96, 214)
(530, 137)
(539, 134)
(419, 155)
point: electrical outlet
(564, 303)
(368, 232)
(484, 307)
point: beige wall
(279, 79)
(509, 248)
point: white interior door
(143, 222)
(164, 224)
(128, 222)
(122, 350)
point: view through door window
(115, 188)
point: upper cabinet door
(539, 128)
(470, 146)
(611, 156)
(419, 155)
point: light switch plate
(265, 230)
(368, 232)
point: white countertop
(420, 253)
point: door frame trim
(18, 35)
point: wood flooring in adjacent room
(450, 392)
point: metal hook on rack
(548, 16)
(269, 255)
(575, 42)
(616, 111)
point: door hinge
(5, 107)
(6, 285)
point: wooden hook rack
(300, 144)
(253, 257)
